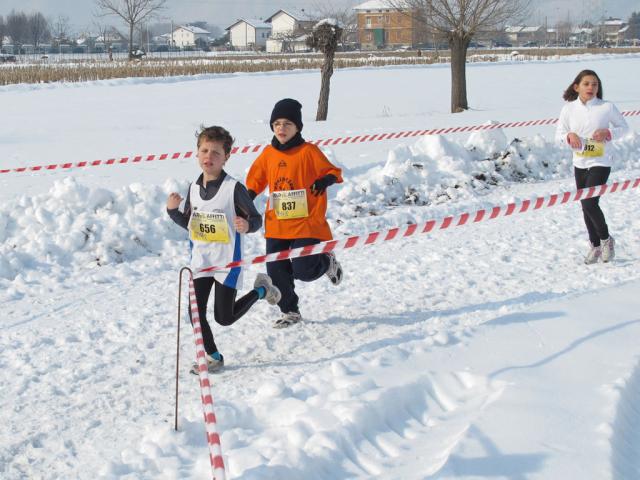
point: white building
(522, 34)
(287, 32)
(248, 34)
(186, 36)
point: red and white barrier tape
(213, 439)
(437, 224)
(322, 142)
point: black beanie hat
(287, 108)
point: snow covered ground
(487, 351)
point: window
(369, 22)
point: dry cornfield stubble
(47, 70)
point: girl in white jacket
(587, 123)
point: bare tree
(18, 27)
(103, 30)
(38, 29)
(325, 38)
(634, 26)
(3, 30)
(459, 21)
(563, 32)
(61, 29)
(132, 13)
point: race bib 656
(209, 227)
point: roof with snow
(253, 22)
(286, 12)
(381, 5)
(197, 30)
(522, 29)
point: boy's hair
(216, 134)
(570, 94)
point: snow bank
(75, 226)
(438, 169)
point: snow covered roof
(522, 29)
(381, 5)
(258, 23)
(196, 30)
(286, 12)
(254, 23)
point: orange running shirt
(293, 169)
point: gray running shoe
(272, 294)
(593, 256)
(287, 320)
(334, 272)
(607, 249)
(213, 365)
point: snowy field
(486, 351)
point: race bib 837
(290, 204)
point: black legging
(593, 216)
(283, 272)
(225, 308)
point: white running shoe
(607, 249)
(334, 272)
(213, 365)
(287, 320)
(272, 294)
(593, 256)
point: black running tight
(593, 216)
(226, 310)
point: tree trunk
(458, 73)
(131, 41)
(323, 100)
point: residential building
(381, 25)
(581, 36)
(248, 34)
(288, 32)
(188, 35)
(523, 35)
(613, 31)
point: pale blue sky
(225, 12)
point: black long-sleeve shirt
(243, 203)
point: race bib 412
(591, 148)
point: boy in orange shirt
(297, 174)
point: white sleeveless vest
(207, 253)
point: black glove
(320, 185)
(252, 194)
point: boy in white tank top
(217, 213)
